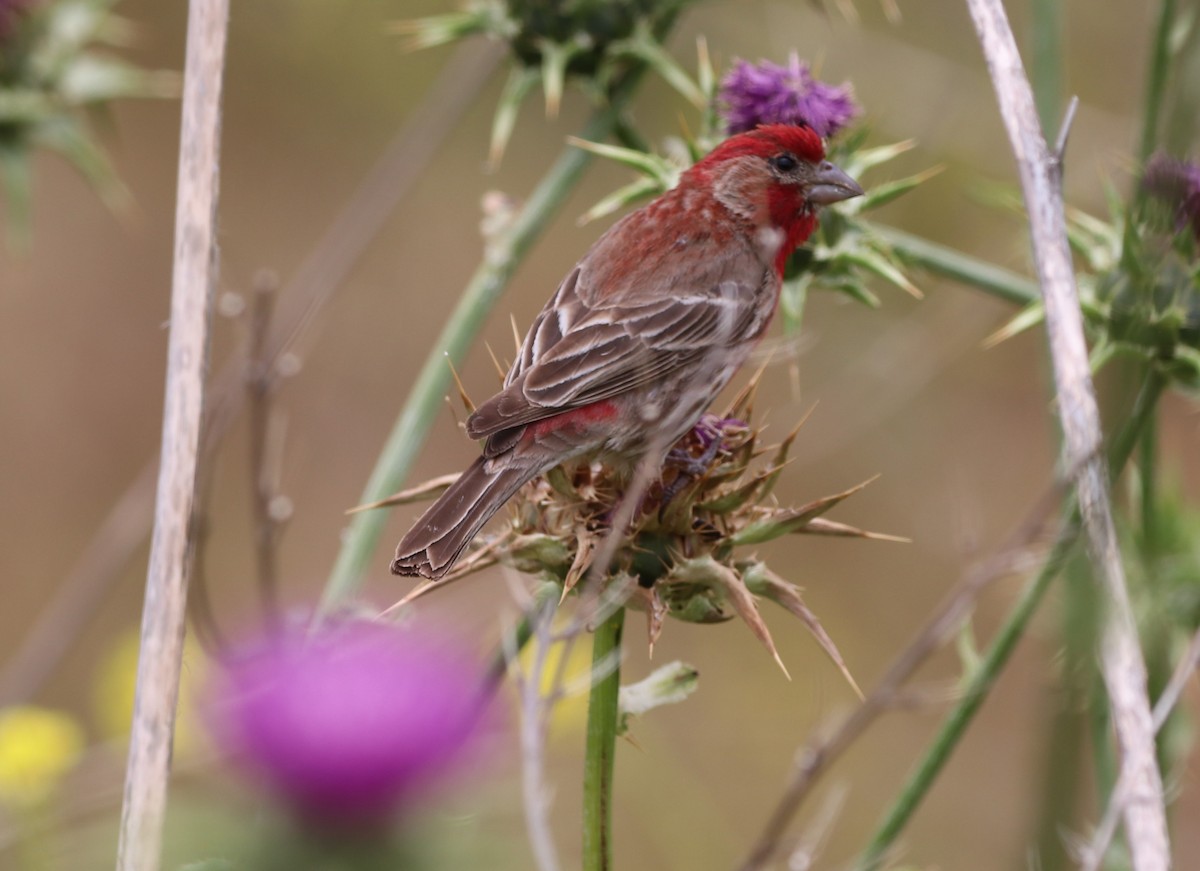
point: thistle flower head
(1177, 183)
(556, 42)
(347, 725)
(766, 93)
(685, 545)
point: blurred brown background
(962, 436)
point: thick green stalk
(1148, 490)
(425, 399)
(979, 683)
(601, 744)
(947, 262)
(1156, 80)
(1046, 68)
(1062, 771)
(1156, 86)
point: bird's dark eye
(784, 162)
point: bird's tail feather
(434, 543)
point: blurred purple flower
(10, 11)
(766, 93)
(1177, 183)
(349, 725)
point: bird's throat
(790, 215)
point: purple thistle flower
(766, 93)
(710, 428)
(1177, 183)
(349, 725)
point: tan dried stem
(1121, 657)
(1092, 856)
(194, 277)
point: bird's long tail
(434, 543)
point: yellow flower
(38, 747)
(570, 710)
(116, 680)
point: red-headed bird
(644, 332)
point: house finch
(644, 332)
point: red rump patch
(576, 418)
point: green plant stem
(1156, 80)
(949, 263)
(1062, 774)
(601, 744)
(980, 681)
(450, 348)
(1147, 489)
(1046, 67)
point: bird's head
(775, 177)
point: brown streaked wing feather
(604, 360)
(576, 354)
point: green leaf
(24, 106)
(668, 685)
(555, 58)
(856, 291)
(953, 264)
(69, 27)
(648, 164)
(68, 138)
(1029, 317)
(442, 29)
(643, 46)
(633, 192)
(881, 195)
(91, 79)
(520, 82)
(867, 158)
(1184, 368)
(874, 262)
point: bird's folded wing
(609, 350)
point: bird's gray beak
(831, 185)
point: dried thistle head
(688, 543)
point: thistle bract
(592, 26)
(1140, 289)
(1177, 183)
(591, 42)
(51, 75)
